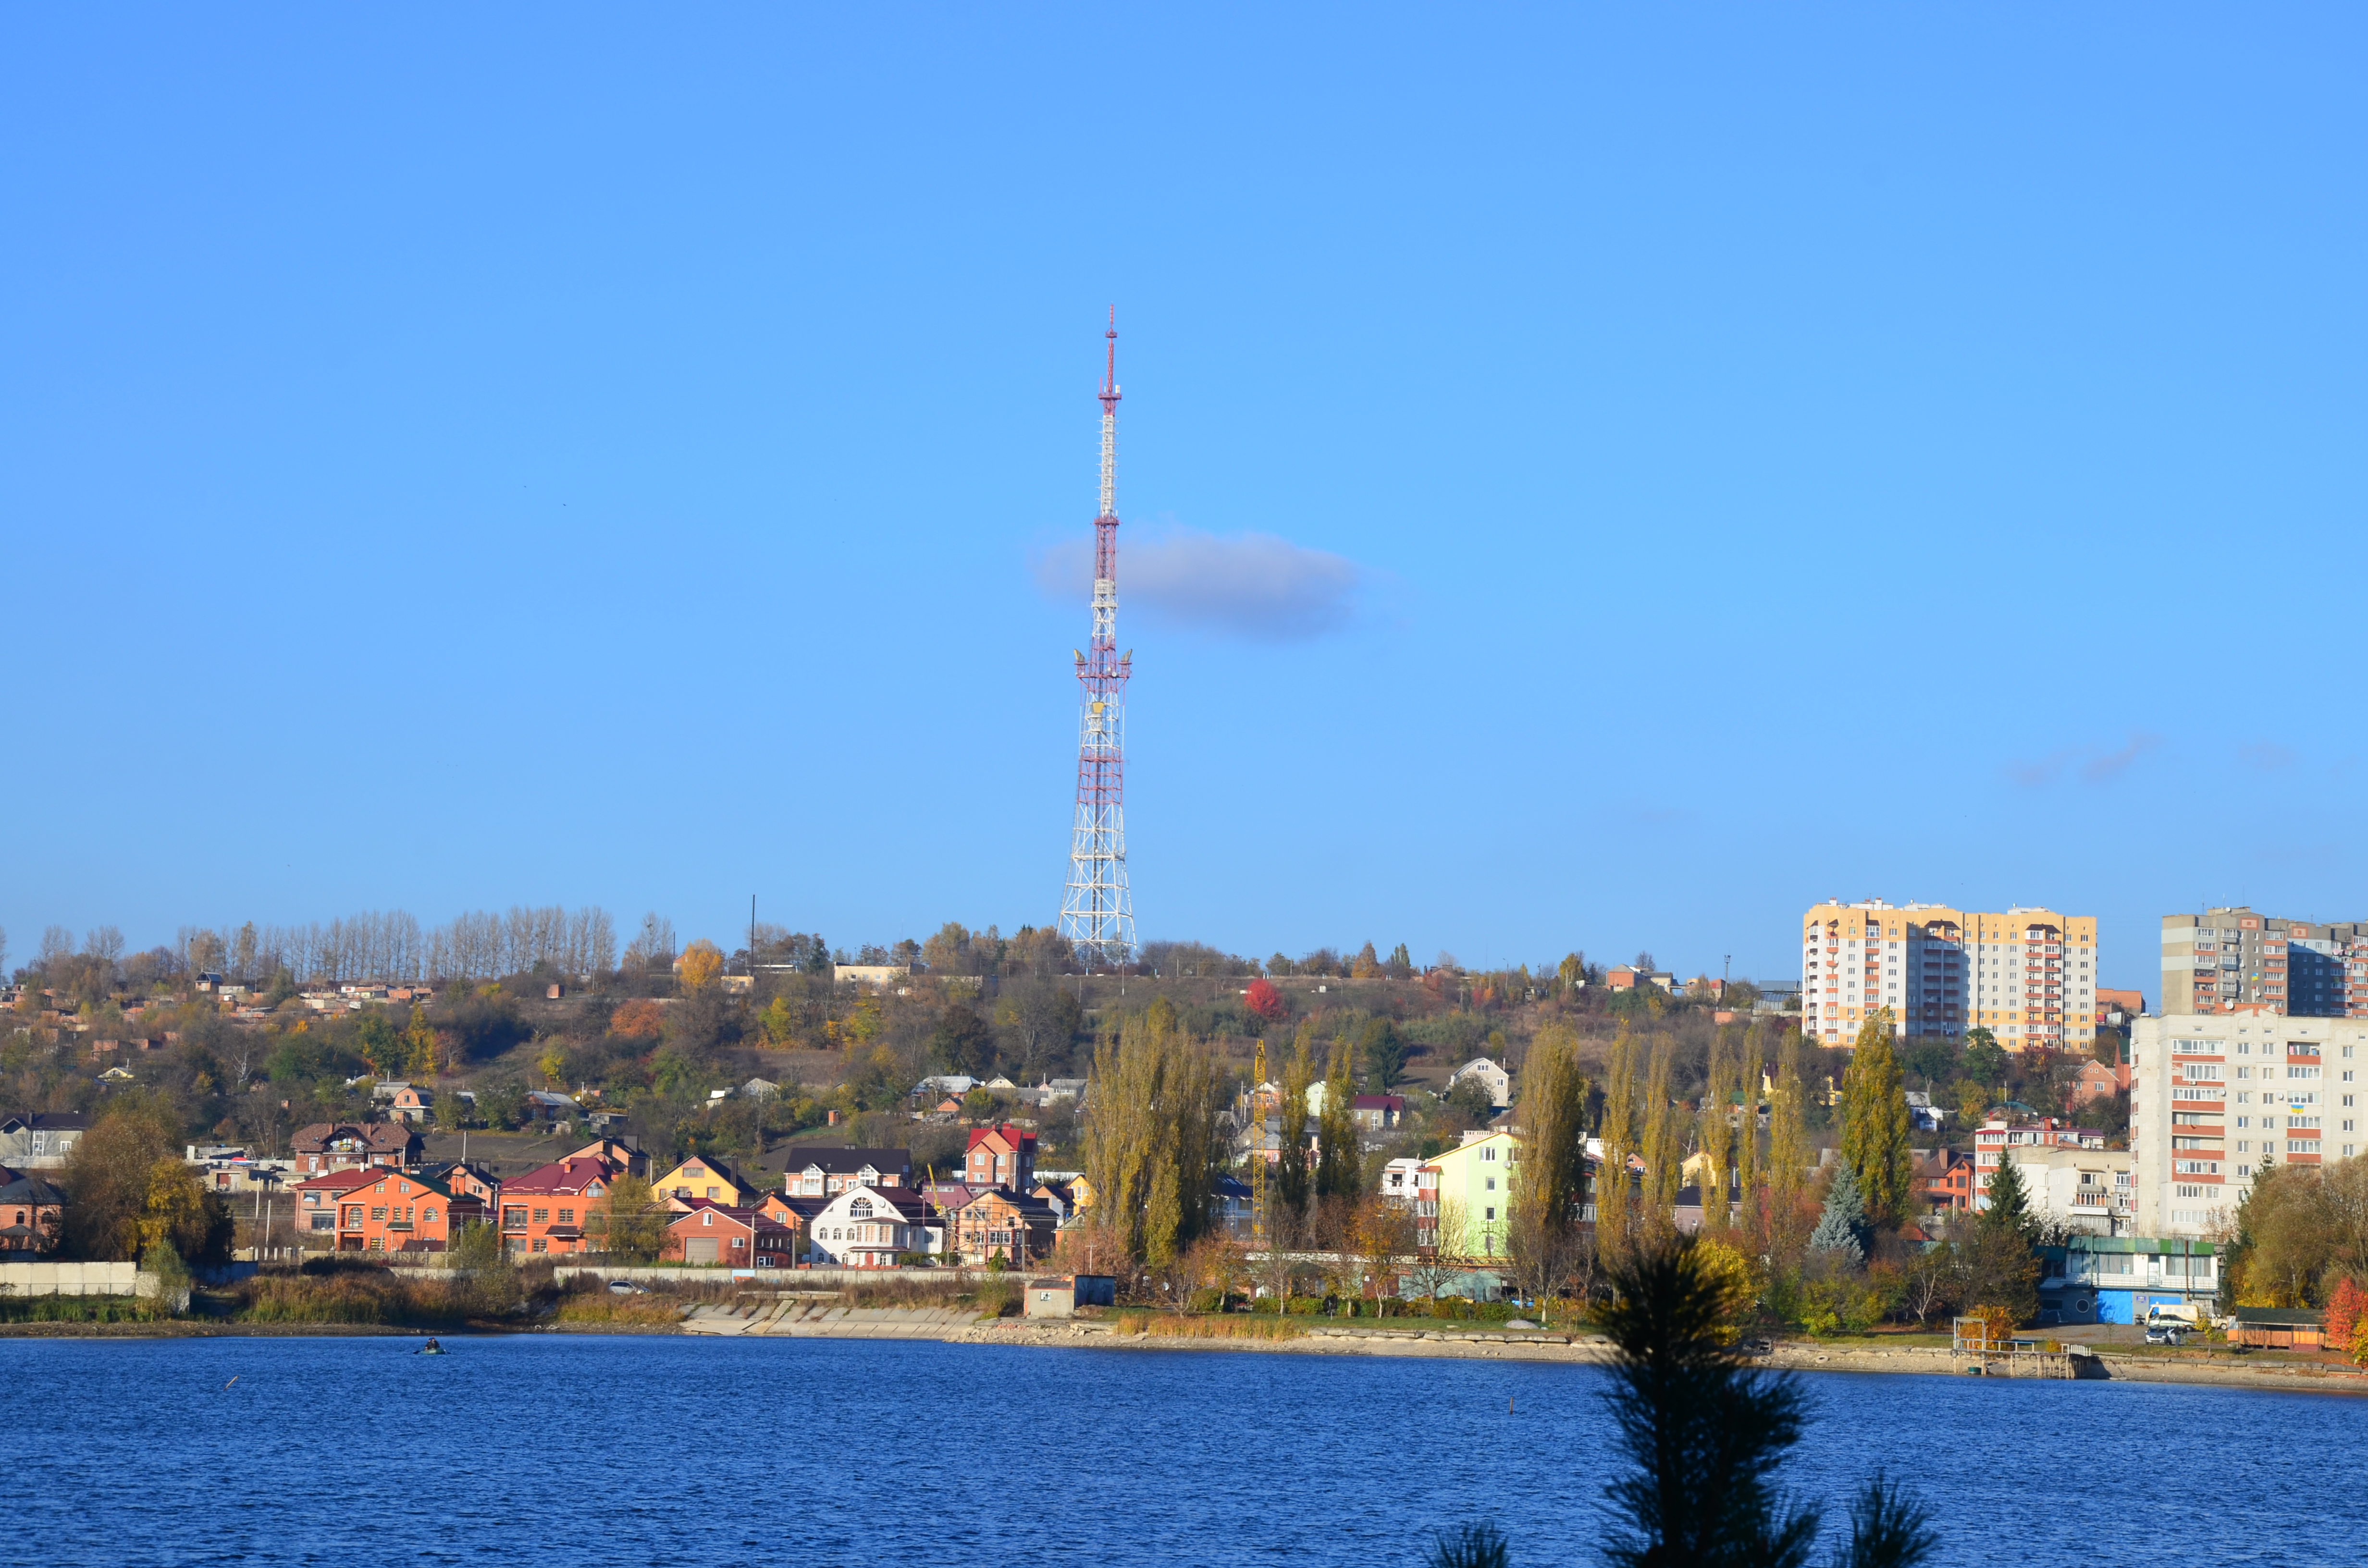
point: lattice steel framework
(1097, 910)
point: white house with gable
(1499, 1082)
(869, 1227)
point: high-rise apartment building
(2213, 1100)
(2227, 960)
(2028, 975)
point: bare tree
(104, 943)
(653, 947)
(1539, 1256)
(1933, 1280)
(1383, 1235)
(1277, 1267)
(1434, 1270)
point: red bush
(2345, 1310)
(1267, 1001)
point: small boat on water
(431, 1349)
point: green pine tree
(1842, 1224)
(2000, 1260)
(2008, 1209)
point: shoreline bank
(1582, 1350)
(954, 1325)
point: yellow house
(1475, 1197)
(714, 1179)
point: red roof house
(1000, 1157)
(546, 1210)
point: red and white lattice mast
(1097, 910)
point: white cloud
(1250, 585)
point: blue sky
(1600, 480)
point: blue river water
(579, 1449)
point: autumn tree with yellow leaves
(700, 964)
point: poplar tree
(1875, 1123)
(1338, 1169)
(1746, 1131)
(1153, 1149)
(1290, 1166)
(1788, 1142)
(1553, 1136)
(1712, 1136)
(1614, 1203)
(1665, 1148)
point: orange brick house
(546, 1210)
(2095, 1081)
(378, 1208)
(999, 1223)
(317, 1199)
(797, 1213)
(1000, 1157)
(624, 1155)
(31, 1213)
(1946, 1179)
(467, 1180)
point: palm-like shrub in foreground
(1705, 1433)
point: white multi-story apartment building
(2090, 1191)
(2028, 975)
(2214, 1100)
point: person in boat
(431, 1347)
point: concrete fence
(75, 1280)
(778, 1278)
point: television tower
(1098, 911)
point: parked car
(2166, 1333)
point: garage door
(699, 1249)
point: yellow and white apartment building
(2027, 975)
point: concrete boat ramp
(793, 1319)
